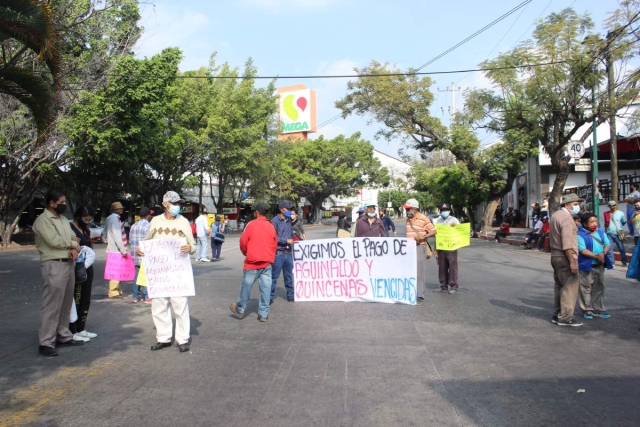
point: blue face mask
(174, 210)
(287, 214)
(444, 214)
(371, 214)
(575, 209)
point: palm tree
(28, 25)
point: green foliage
(317, 169)
(548, 103)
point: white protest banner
(167, 269)
(369, 269)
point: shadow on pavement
(545, 402)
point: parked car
(96, 232)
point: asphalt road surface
(487, 356)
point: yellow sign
(142, 277)
(451, 238)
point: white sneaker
(197, 260)
(79, 337)
(205, 260)
(87, 334)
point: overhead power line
(334, 76)
(486, 27)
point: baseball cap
(262, 208)
(411, 203)
(144, 211)
(369, 203)
(361, 209)
(445, 207)
(612, 203)
(283, 205)
(172, 197)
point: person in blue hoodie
(593, 245)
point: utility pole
(594, 156)
(453, 97)
(612, 118)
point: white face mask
(174, 210)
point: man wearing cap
(419, 228)
(369, 225)
(58, 247)
(617, 220)
(447, 260)
(563, 241)
(258, 244)
(137, 233)
(284, 259)
(116, 238)
(171, 225)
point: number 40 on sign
(575, 149)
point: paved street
(487, 356)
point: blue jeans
(263, 276)
(137, 289)
(630, 224)
(623, 253)
(216, 248)
(284, 262)
(202, 245)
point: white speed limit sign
(575, 149)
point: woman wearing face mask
(298, 229)
(593, 244)
(369, 225)
(82, 217)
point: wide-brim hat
(116, 205)
(570, 198)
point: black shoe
(270, 302)
(160, 346)
(183, 347)
(290, 300)
(47, 351)
(419, 301)
(624, 264)
(69, 343)
(569, 323)
(554, 319)
(262, 319)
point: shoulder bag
(218, 237)
(427, 246)
(621, 235)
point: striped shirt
(136, 235)
(422, 225)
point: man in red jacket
(258, 244)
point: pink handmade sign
(119, 267)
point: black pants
(82, 295)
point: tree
(317, 169)
(239, 122)
(122, 136)
(547, 103)
(89, 35)
(402, 103)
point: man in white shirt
(447, 260)
(532, 236)
(202, 237)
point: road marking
(25, 406)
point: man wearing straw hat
(116, 239)
(563, 241)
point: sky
(326, 37)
